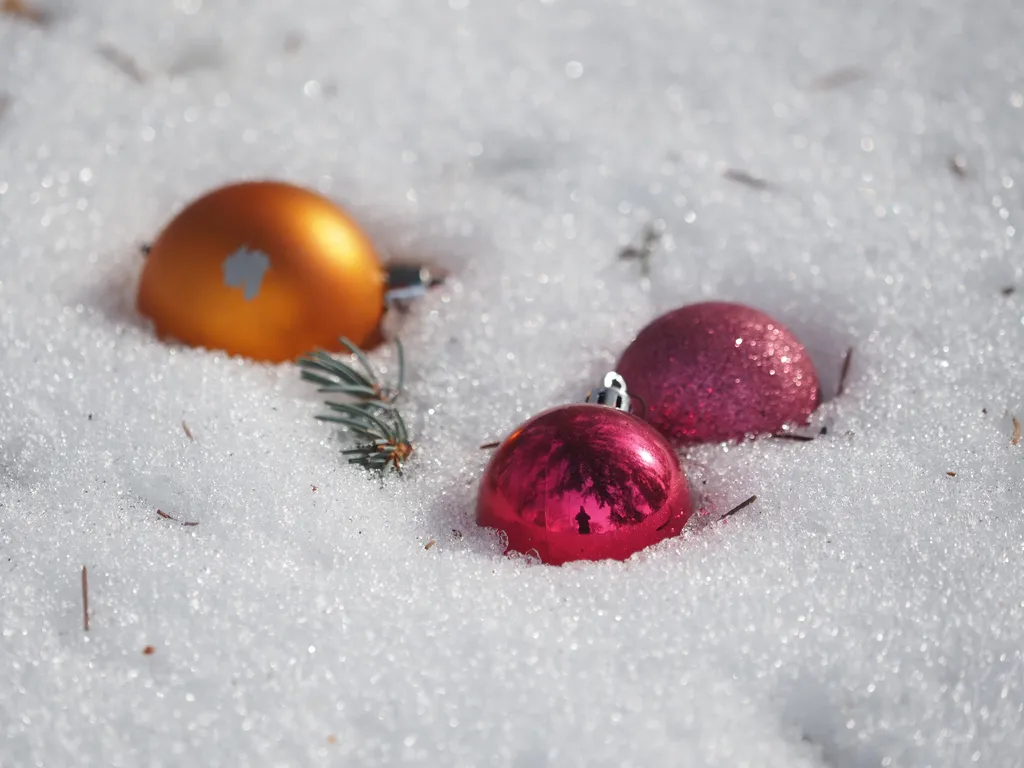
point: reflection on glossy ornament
(719, 371)
(588, 481)
(265, 270)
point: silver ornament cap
(611, 393)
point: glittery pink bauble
(717, 371)
(584, 482)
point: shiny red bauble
(584, 482)
(718, 371)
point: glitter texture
(719, 371)
(584, 482)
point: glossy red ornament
(719, 371)
(584, 482)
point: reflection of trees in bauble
(584, 453)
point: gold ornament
(265, 270)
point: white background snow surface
(868, 610)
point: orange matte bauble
(265, 270)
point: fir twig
(374, 427)
(332, 374)
(370, 413)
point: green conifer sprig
(370, 412)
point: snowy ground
(868, 610)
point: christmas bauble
(265, 270)
(719, 371)
(584, 482)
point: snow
(867, 610)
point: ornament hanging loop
(612, 393)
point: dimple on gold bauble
(264, 270)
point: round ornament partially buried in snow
(588, 481)
(265, 270)
(718, 371)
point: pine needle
(85, 599)
(844, 372)
(741, 506)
